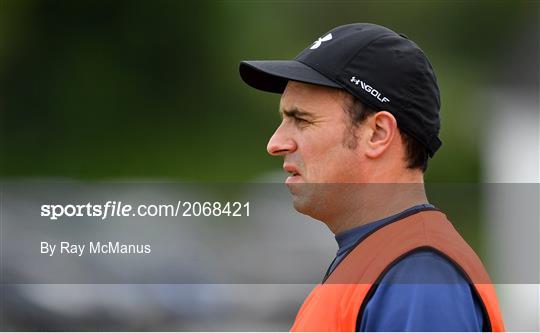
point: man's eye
(300, 121)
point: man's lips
(295, 176)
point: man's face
(314, 138)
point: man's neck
(371, 202)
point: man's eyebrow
(295, 112)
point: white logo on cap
(369, 89)
(319, 41)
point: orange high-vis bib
(337, 303)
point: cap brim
(273, 75)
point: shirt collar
(348, 238)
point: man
(360, 117)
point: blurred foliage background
(150, 89)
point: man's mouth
(294, 177)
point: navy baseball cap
(383, 69)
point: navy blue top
(405, 300)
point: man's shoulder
(424, 266)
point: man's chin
(314, 199)
(303, 198)
(300, 204)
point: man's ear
(383, 126)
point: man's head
(328, 137)
(360, 105)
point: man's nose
(281, 143)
